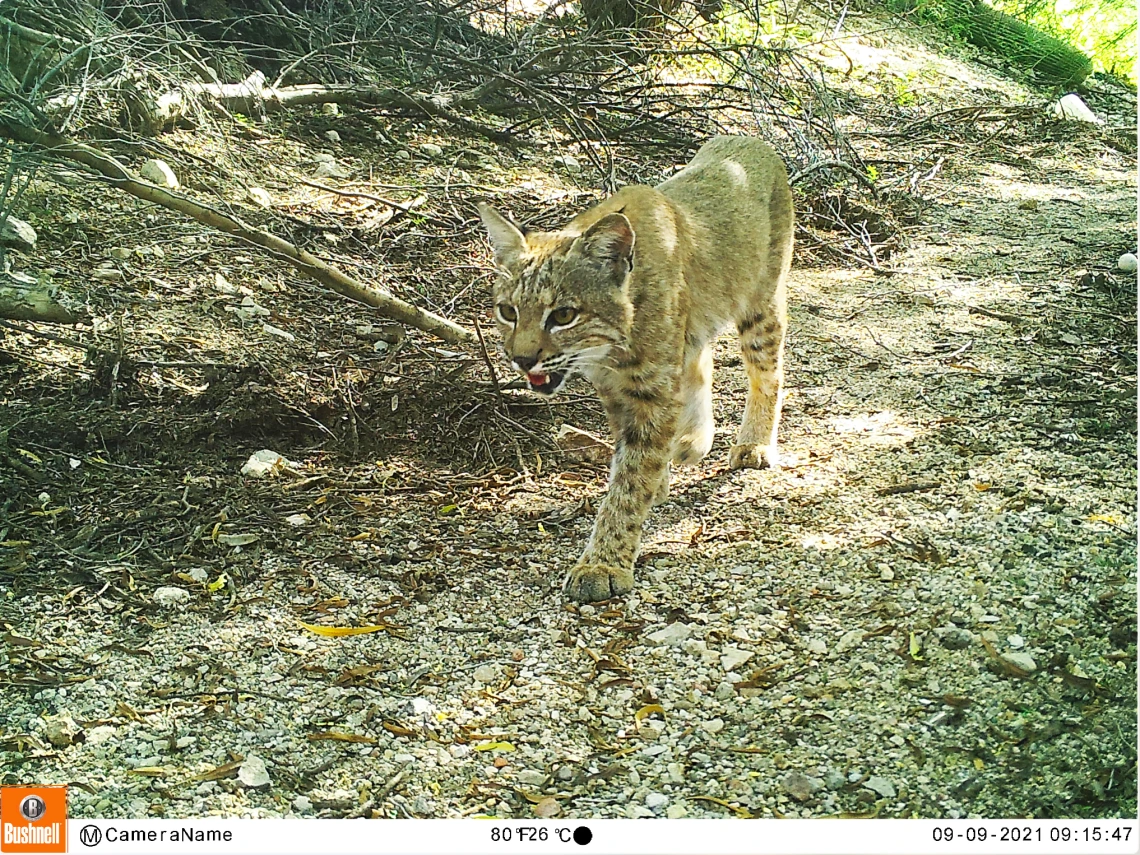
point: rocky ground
(929, 612)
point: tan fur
(653, 276)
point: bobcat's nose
(525, 362)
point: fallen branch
(117, 174)
(23, 298)
(254, 97)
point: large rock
(16, 234)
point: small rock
(724, 691)
(206, 788)
(486, 674)
(298, 520)
(676, 812)
(817, 646)
(303, 804)
(17, 234)
(581, 445)
(1020, 660)
(654, 801)
(880, 785)
(799, 786)
(956, 638)
(330, 108)
(331, 136)
(404, 759)
(1126, 263)
(713, 727)
(260, 196)
(170, 597)
(253, 772)
(97, 735)
(834, 779)
(327, 167)
(568, 162)
(431, 150)
(565, 773)
(732, 658)
(421, 706)
(1071, 107)
(159, 172)
(1016, 642)
(672, 635)
(849, 640)
(277, 331)
(61, 732)
(265, 463)
(887, 574)
(547, 808)
(198, 574)
(403, 154)
(532, 777)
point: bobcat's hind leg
(695, 426)
(762, 347)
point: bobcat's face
(561, 301)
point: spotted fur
(651, 276)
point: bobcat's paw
(753, 457)
(590, 583)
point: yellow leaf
(364, 535)
(338, 631)
(448, 509)
(741, 812)
(978, 764)
(915, 648)
(1111, 519)
(981, 486)
(218, 583)
(12, 544)
(646, 711)
(29, 455)
(494, 746)
(214, 533)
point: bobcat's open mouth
(546, 384)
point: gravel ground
(929, 612)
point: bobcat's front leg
(641, 459)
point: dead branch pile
(79, 71)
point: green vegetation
(1103, 29)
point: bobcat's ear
(610, 239)
(507, 240)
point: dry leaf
(646, 711)
(338, 631)
(342, 737)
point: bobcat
(632, 294)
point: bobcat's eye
(507, 314)
(562, 316)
